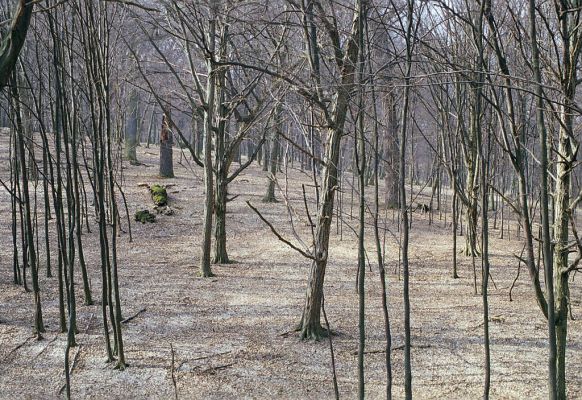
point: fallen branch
(73, 365)
(46, 347)
(355, 353)
(134, 316)
(212, 370)
(495, 318)
(18, 347)
(420, 346)
(211, 355)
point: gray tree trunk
(391, 146)
(310, 321)
(131, 128)
(274, 156)
(13, 40)
(561, 236)
(544, 200)
(166, 150)
(205, 270)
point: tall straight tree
(360, 159)
(403, 208)
(131, 127)
(205, 270)
(544, 200)
(568, 14)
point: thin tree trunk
(205, 270)
(544, 199)
(403, 207)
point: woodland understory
(290, 199)
(231, 336)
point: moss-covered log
(159, 195)
(144, 216)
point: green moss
(159, 195)
(144, 216)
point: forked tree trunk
(310, 321)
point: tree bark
(166, 151)
(274, 156)
(205, 270)
(13, 41)
(310, 321)
(544, 200)
(131, 128)
(391, 145)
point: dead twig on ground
(355, 353)
(211, 355)
(212, 370)
(18, 347)
(73, 365)
(420, 346)
(134, 316)
(46, 347)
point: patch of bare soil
(229, 336)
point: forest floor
(230, 336)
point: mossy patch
(144, 216)
(159, 195)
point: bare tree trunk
(561, 240)
(544, 200)
(28, 231)
(166, 151)
(13, 40)
(310, 321)
(403, 207)
(274, 155)
(205, 270)
(360, 161)
(131, 134)
(455, 207)
(391, 145)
